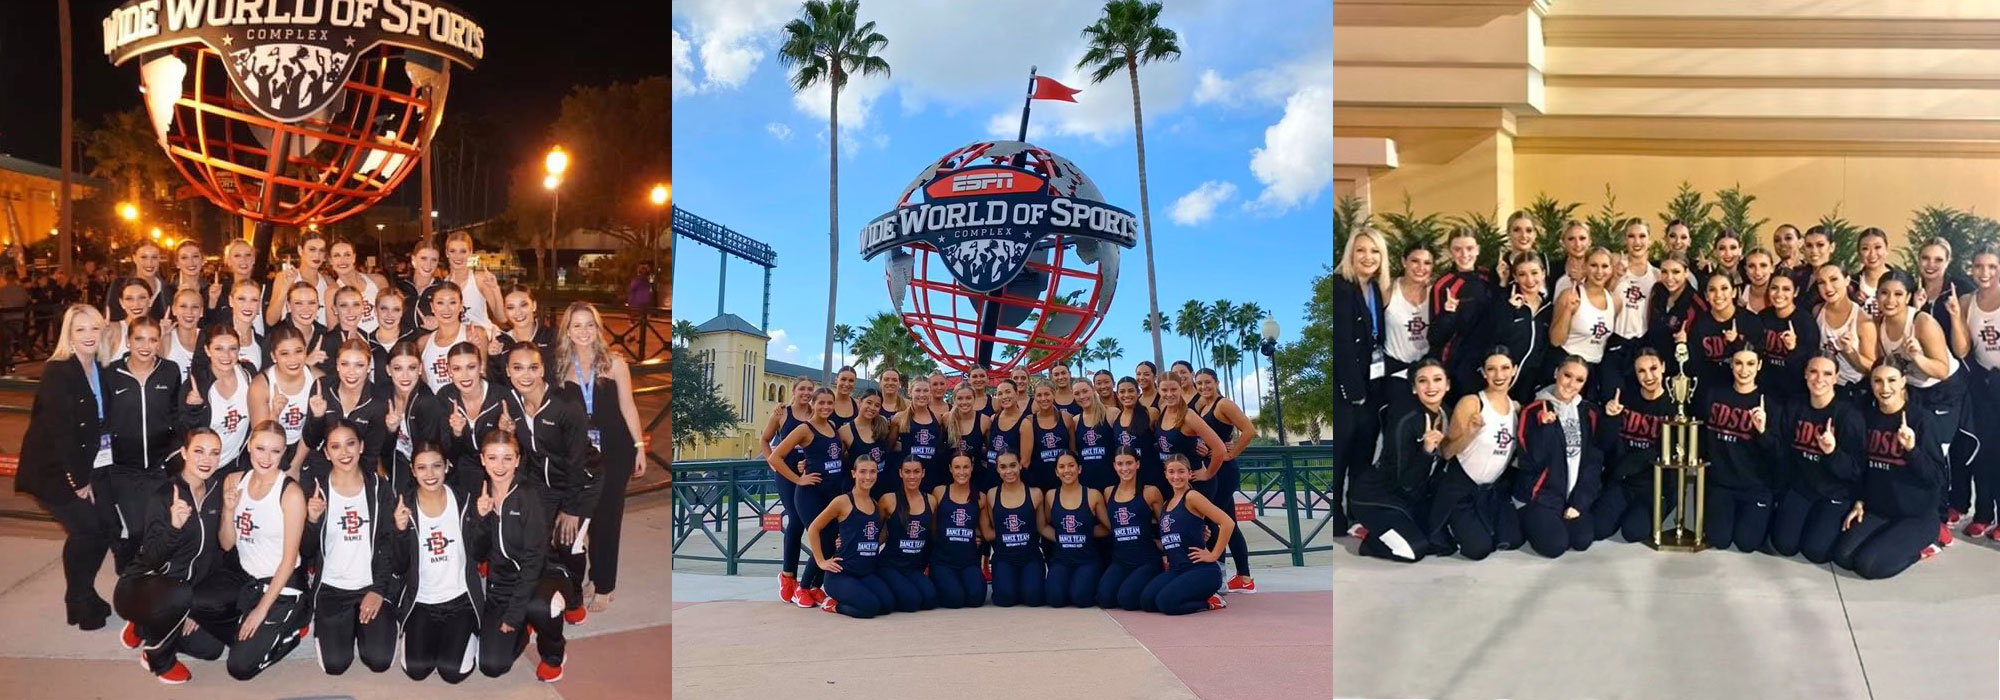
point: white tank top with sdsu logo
(350, 536)
(440, 554)
(1589, 328)
(182, 356)
(1632, 294)
(1895, 353)
(260, 527)
(229, 415)
(291, 409)
(1849, 374)
(1403, 327)
(437, 370)
(1485, 457)
(1985, 329)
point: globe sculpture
(1002, 254)
(293, 112)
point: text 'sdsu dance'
(1840, 412)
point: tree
(1189, 320)
(843, 334)
(1128, 35)
(700, 414)
(885, 342)
(1108, 350)
(1347, 218)
(828, 46)
(1220, 317)
(1148, 324)
(1306, 391)
(123, 150)
(1226, 357)
(684, 332)
(1249, 322)
(617, 137)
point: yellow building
(734, 351)
(1877, 107)
(29, 204)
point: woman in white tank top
(1976, 337)
(1583, 313)
(266, 519)
(229, 412)
(340, 260)
(1910, 339)
(1408, 314)
(1482, 435)
(478, 286)
(1847, 333)
(185, 331)
(446, 306)
(285, 393)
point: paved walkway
(734, 639)
(1624, 621)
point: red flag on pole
(1048, 89)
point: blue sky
(1238, 136)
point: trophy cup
(1680, 453)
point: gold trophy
(1680, 453)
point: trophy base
(1679, 540)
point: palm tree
(1249, 316)
(828, 46)
(843, 334)
(1108, 350)
(1226, 356)
(1220, 326)
(684, 332)
(1189, 320)
(1126, 36)
(1148, 324)
(885, 342)
(66, 242)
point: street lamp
(156, 233)
(556, 162)
(1270, 349)
(659, 195)
(128, 211)
(381, 251)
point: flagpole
(1026, 102)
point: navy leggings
(1074, 583)
(1550, 535)
(1880, 546)
(914, 591)
(1222, 492)
(1019, 583)
(1183, 591)
(811, 501)
(1738, 517)
(1808, 525)
(794, 527)
(1123, 585)
(860, 596)
(1628, 509)
(958, 586)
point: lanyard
(1374, 314)
(96, 389)
(589, 389)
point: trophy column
(1680, 457)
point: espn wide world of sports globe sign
(1001, 244)
(294, 112)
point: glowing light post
(659, 196)
(1270, 350)
(556, 162)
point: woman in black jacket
(1672, 308)
(512, 535)
(1388, 497)
(411, 416)
(141, 413)
(557, 453)
(348, 399)
(1360, 288)
(1822, 479)
(1631, 447)
(348, 543)
(177, 550)
(63, 455)
(1561, 464)
(435, 526)
(1524, 327)
(1894, 522)
(524, 327)
(472, 409)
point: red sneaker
(1360, 531)
(829, 605)
(130, 637)
(1944, 535)
(1953, 516)
(173, 676)
(547, 673)
(1242, 584)
(1977, 529)
(1215, 602)
(986, 570)
(787, 585)
(575, 616)
(803, 598)
(1930, 551)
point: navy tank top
(909, 534)
(925, 443)
(1223, 429)
(1050, 443)
(825, 457)
(860, 540)
(1133, 540)
(839, 420)
(958, 528)
(1151, 473)
(791, 423)
(1015, 527)
(1074, 527)
(1093, 454)
(1171, 441)
(1179, 530)
(886, 479)
(1070, 407)
(1005, 438)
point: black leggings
(1354, 433)
(1808, 525)
(128, 492)
(1738, 517)
(863, 596)
(89, 528)
(1881, 547)
(158, 606)
(606, 525)
(1628, 508)
(914, 591)
(1393, 534)
(958, 586)
(497, 649)
(1181, 591)
(1550, 535)
(1222, 492)
(284, 626)
(338, 631)
(1123, 586)
(795, 527)
(1073, 583)
(1019, 583)
(811, 500)
(439, 637)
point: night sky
(534, 52)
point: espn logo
(974, 182)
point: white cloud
(1197, 206)
(1211, 87)
(683, 65)
(1296, 161)
(779, 131)
(1102, 111)
(781, 347)
(732, 36)
(856, 99)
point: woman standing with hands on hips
(820, 476)
(64, 455)
(784, 419)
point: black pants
(497, 649)
(1354, 435)
(88, 528)
(1477, 520)
(339, 631)
(1881, 546)
(1627, 508)
(158, 606)
(1123, 585)
(811, 500)
(1807, 524)
(1738, 517)
(1985, 471)
(1550, 535)
(284, 626)
(127, 491)
(794, 527)
(1222, 492)
(1393, 531)
(606, 525)
(1946, 401)
(439, 637)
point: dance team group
(1842, 411)
(1087, 494)
(418, 468)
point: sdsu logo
(351, 522)
(868, 531)
(1634, 295)
(1989, 336)
(833, 451)
(1165, 446)
(436, 543)
(923, 437)
(1124, 516)
(1166, 521)
(1416, 326)
(1090, 436)
(244, 525)
(439, 369)
(1049, 440)
(1598, 331)
(232, 420)
(1013, 522)
(293, 417)
(960, 518)
(1124, 439)
(916, 531)
(1503, 440)
(1069, 522)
